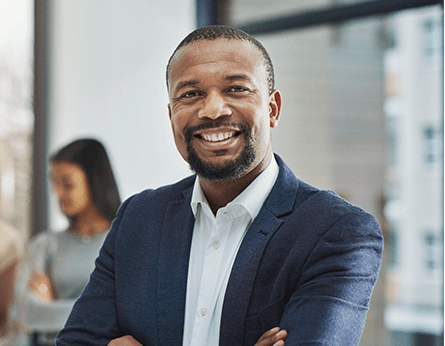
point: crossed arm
(327, 308)
(41, 285)
(273, 337)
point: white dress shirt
(215, 243)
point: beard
(226, 171)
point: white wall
(107, 80)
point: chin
(68, 213)
(225, 170)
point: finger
(32, 277)
(267, 335)
(281, 335)
(270, 333)
(126, 340)
(42, 277)
(33, 284)
(35, 279)
(270, 337)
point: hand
(126, 340)
(40, 283)
(273, 337)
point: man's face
(220, 108)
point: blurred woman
(63, 261)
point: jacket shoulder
(153, 200)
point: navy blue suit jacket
(308, 264)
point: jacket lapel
(280, 201)
(173, 269)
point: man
(243, 248)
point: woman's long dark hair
(91, 156)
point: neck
(220, 193)
(89, 223)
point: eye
(189, 94)
(237, 89)
(67, 186)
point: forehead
(67, 169)
(217, 54)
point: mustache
(188, 132)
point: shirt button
(203, 311)
(216, 244)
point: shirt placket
(211, 277)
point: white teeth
(216, 137)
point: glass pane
(414, 116)
(362, 115)
(243, 11)
(16, 112)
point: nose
(214, 106)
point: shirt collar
(251, 199)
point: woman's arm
(41, 285)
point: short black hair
(92, 157)
(213, 32)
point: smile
(217, 136)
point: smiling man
(222, 109)
(242, 252)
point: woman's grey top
(68, 259)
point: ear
(274, 108)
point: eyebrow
(186, 84)
(238, 77)
(227, 78)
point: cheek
(176, 129)
(178, 133)
(82, 196)
(261, 128)
(261, 136)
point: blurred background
(362, 83)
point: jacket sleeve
(330, 304)
(94, 319)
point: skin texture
(220, 84)
(76, 202)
